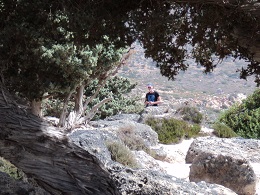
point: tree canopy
(207, 31)
(40, 54)
(170, 31)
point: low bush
(133, 141)
(244, 118)
(223, 131)
(122, 154)
(173, 130)
(190, 114)
(130, 139)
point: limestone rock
(149, 178)
(226, 162)
(146, 133)
(156, 112)
(233, 173)
(246, 148)
(94, 142)
(145, 161)
(127, 117)
(147, 182)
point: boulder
(147, 182)
(143, 131)
(145, 161)
(225, 161)
(126, 117)
(94, 141)
(233, 173)
(246, 148)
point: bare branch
(93, 111)
(101, 83)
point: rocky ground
(203, 165)
(177, 165)
(176, 168)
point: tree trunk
(44, 153)
(79, 100)
(36, 107)
(62, 119)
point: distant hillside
(192, 85)
(224, 79)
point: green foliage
(223, 131)
(118, 88)
(53, 107)
(10, 169)
(120, 153)
(190, 25)
(50, 46)
(172, 130)
(194, 131)
(190, 114)
(60, 68)
(244, 118)
(43, 52)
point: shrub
(172, 130)
(118, 88)
(223, 131)
(133, 141)
(130, 139)
(193, 131)
(10, 169)
(190, 114)
(120, 153)
(53, 107)
(244, 118)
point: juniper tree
(39, 60)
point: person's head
(150, 87)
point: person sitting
(152, 98)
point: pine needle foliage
(118, 88)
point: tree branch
(93, 111)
